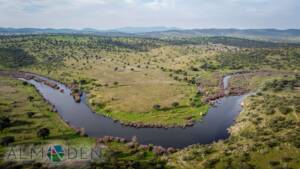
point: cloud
(181, 13)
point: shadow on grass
(40, 116)
(16, 123)
(22, 130)
(67, 136)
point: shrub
(285, 110)
(156, 106)
(4, 122)
(211, 163)
(43, 132)
(287, 159)
(30, 98)
(30, 114)
(194, 69)
(25, 83)
(175, 104)
(274, 163)
(7, 140)
(270, 112)
(83, 81)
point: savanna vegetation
(265, 135)
(26, 120)
(158, 81)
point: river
(212, 127)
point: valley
(149, 86)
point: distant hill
(125, 30)
(275, 35)
(289, 35)
(137, 30)
(24, 31)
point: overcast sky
(104, 14)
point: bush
(274, 163)
(175, 104)
(211, 163)
(83, 81)
(156, 106)
(7, 140)
(30, 114)
(30, 98)
(285, 110)
(270, 112)
(43, 132)
(4, 122)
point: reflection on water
(211, 128)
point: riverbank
(181, 116)
(177, 116)
(28, 112)
(18, 98)
(265, 134)
(79, 116)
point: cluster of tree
(259, 58)
(229, 41)
(84, 41)
(279, 85)
(15, 58)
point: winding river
(212, 127)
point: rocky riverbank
(133, 144)
(230, 91)
(76, 93)
(142, 125)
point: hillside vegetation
(265, 135)
(142, 80)
(159, 81)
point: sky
(107, 14)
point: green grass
(174, 116)
(14, 104)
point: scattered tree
(30, 98)
(156, 106)
(30, 114)
(7, 140)
(4, 122)
(175, 104)
(43, 132)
